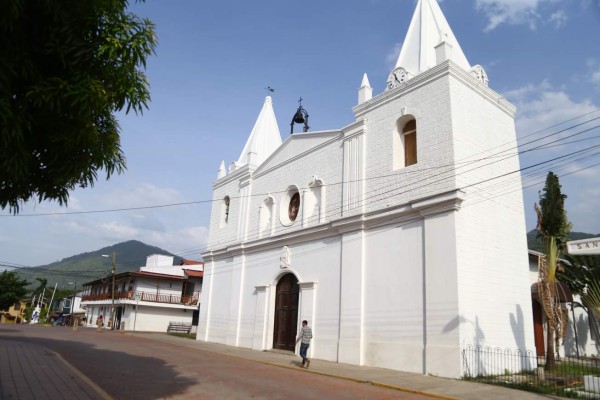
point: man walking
(304, 337)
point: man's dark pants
(303, 348)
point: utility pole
(112, 312)
(51, 300)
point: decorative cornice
(410, 211)
(237, 174)
(446, 68)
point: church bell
(300, 117)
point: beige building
(14, 315)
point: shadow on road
(122, 375)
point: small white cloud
(392, 56)
(512, 12)
(559, 19)
(141, 195)
(188, 242)
(539, 107)
(596, 77)
(117, 230)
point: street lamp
(112, 310)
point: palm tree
(557, 317)
(40, 289)
(591, 297)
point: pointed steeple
(427, 31)
(365, 92)
(222, 171)
(264, 138)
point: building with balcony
(148, 299)
(15, 314)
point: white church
(400, 237)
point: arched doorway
(286, 313)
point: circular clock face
(294, 207)
(400, 75)
(397, 78)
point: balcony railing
(146, 296)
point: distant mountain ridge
(535, 243)
(85, 267)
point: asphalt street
(88, 364)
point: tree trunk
(550, 360)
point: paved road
(132, 367)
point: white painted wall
(151, 317)
(494, 294)
(410, 265)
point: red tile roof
(196, 274)
(190, 262)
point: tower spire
(428, 29)
(264, 138)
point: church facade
(400, 237)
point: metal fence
(571, 377)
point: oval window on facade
(294, 207)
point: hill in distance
(81, 268)
(535, 243)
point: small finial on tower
(222, 171)
(269, 89)
(365, 92)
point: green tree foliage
(12, 289)
(580, 272)
(554, 217)
(553, 228)
(66, 68)
(40, 289)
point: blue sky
(208, 79)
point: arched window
(404, 142)
(225, 211)
(409, 132)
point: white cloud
(559, 19)
(512, 12)
(60, 235)
(188, 242)
(140, 195)
(541, 106)
(392, 56)
(596, 77)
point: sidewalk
(435, 387)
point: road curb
(336, 376)
(357, 380)
(404, 389)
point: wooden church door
(286, 313)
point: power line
(465, 161)
(452, 171)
